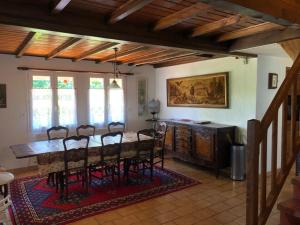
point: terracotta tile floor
(214, 202)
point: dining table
(50, 153)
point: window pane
(97, 101)
(65, 83)
(96, 83)
(66, 101)
(116, 102)
(41, 98)
(41, 82)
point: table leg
(5, 193)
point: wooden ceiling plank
(265, 38)
(25, 44)
(166, 58)
(124, 53)
(260, 9)
(154, 54)
(68, 44)
(217, 25)
(95, 50)
(127, 9)
(179, 62)
(262, 27)
(60, 6)
(180, 16)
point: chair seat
(6, 178)
(128, 154)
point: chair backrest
(161, 129)
(116, 125)
(111, 146)
(86, 130)
(76, 149)
(57, 132)
(145, 147)
(5, 203)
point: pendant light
(114, 84)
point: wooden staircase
(290, 209)
(263, 147)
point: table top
(6, 178)
(41, 147)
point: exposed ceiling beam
(95, 50)
(33, 17)
(68, 44)
(265, 38)
(262, 27)
(180, 61)
(124, 53)
(217, 25)
(174, 55)
(284, 9)
(127, 9)
(147, 55)
(180, 16)
(25, 44)
(256, 10)
(59, 6)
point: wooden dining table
(50, 152)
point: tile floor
(214, 202)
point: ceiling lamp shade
(114, 84)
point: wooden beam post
(25, 44)
(253, 134)
(95, 50)
(127, 9)
(180, 16)
(68, 44)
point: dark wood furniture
(161, 129)
(75, 162)
(54, 133)
(202, 144)
(87, 129)
(110, 158)
(116, 125)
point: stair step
(291, 207)
(296, 183)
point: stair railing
(263, 190)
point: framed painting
(142, 96)
(203, 91)
(3, 96)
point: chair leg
(119, 174)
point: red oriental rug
(34, 202)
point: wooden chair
(54, 133)
(161, 129)
(144, 155)
(75, 159)
(88, 129)
(116, 125)
(109, 162)
(58, 132)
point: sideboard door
(203, 144)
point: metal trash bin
(238, 162)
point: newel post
(253, 135)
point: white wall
(242, 91)
(264, 96)
(14, 118)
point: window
(41, 103)
(66, 101)
(96, 101)
(116, 102)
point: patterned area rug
(34, 202)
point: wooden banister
(260, 201)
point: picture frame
(142, 97)
(273, 81)
(3, 96)
(202, 91)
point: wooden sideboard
(202, 144)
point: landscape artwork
(204, 91)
